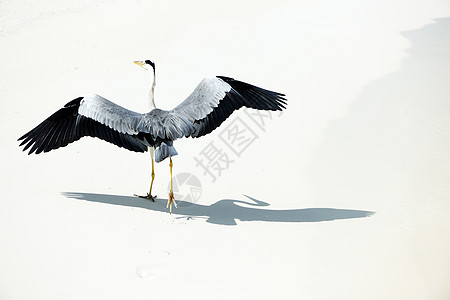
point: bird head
(146, 64)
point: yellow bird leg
(171, 198)
(153, 174)
(149, 195)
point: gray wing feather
(203, 99)
(160, 124)
(110, 114)
(212, 101)
(165, 125)
(215, 99)
(99, 118)
(179, 122)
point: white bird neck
(151, 94)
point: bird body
(211, 103)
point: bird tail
(164, 150)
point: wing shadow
(226, 211)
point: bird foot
(149, 197)
(170, 201)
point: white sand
(366, 130)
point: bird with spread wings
(212, 101)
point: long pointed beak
(140, 63)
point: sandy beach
(343, 195)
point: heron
(205, 109)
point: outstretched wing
(92, 116)
(215, 99)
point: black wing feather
(241, 94)
(66, 126)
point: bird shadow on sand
(227, 211)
